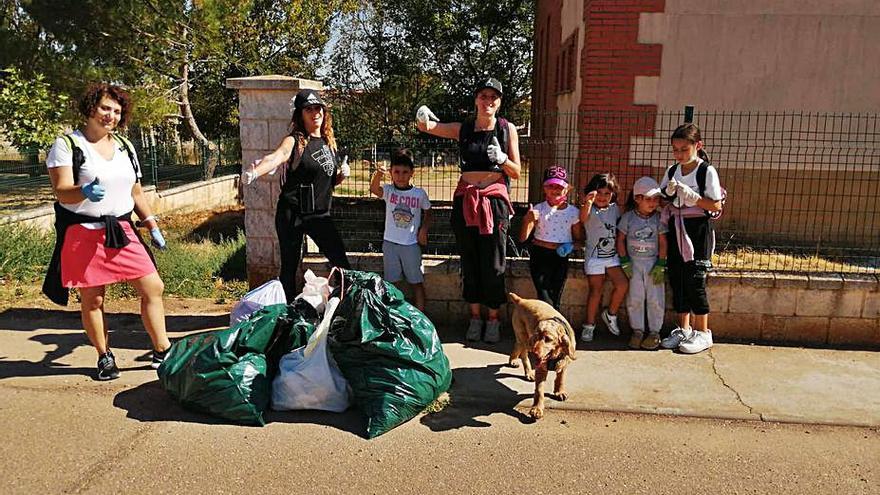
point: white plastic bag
(316, 290)
(308, 377)
(272, 292)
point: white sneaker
(699, 342)
(675, 338)
(587, 332)
(475, 329)
(610, 322)
(493, 332)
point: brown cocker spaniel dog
(544, 333)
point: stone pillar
(264, 109)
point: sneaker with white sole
(676, 337)
(158, 358)
(493, 332)
(699, 342)
(587, 331)
(475, 330)
(107, 369)
(610, 322)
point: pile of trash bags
(359, 343)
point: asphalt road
(129, 437)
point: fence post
(688, 114)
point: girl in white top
(556, 226)
(599, 215)
(93, 254)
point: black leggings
(483, 257)
(549, 272)
(688, 279)
(290, 229)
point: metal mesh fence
(24, 180)
(803, 188)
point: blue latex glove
(157, 240)
(94, 191)
(564, 249)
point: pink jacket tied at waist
(685, 245)
(476, 207)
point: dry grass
(747, 259)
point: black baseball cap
(490, 82)
(307, 97)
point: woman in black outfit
(310, 173)
(481, 208)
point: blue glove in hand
(94, 191)
(626, 265)
(157, 240)
(564, 249)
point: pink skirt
(86, 262)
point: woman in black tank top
(309, 173)
(489, 148)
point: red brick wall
(611, 58)
(547, 48)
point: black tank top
(317, 168)
(472, 146)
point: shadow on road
(476, 392)
(126, 333)
(149, 402)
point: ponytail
(703, 155)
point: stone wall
(835, 310)
(214, 193)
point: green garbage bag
(388, 350)
(228, 373)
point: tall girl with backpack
(693, 187)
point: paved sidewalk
(731, 381)
(45, 349)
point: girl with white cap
(641, 245)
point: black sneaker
(107, 369)
(158, 358)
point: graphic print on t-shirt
(324, 158)
(402, 215)
(606, 248)
(644, 239)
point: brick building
(611, 76)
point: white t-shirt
(554, 225)
(403, 213)
(601, 230)
(713, 183)
(117, 176)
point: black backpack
(79, 157)
(702, 169)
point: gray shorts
(402, 261)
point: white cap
(646, 186)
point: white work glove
(670, 188)
(688, 195)
(344, 169)
(424, 114)
(251, 176)
(495, 153)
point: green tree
(30, 113)
(392, 56)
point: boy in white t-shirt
(407, 219)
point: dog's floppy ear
(567, 338)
